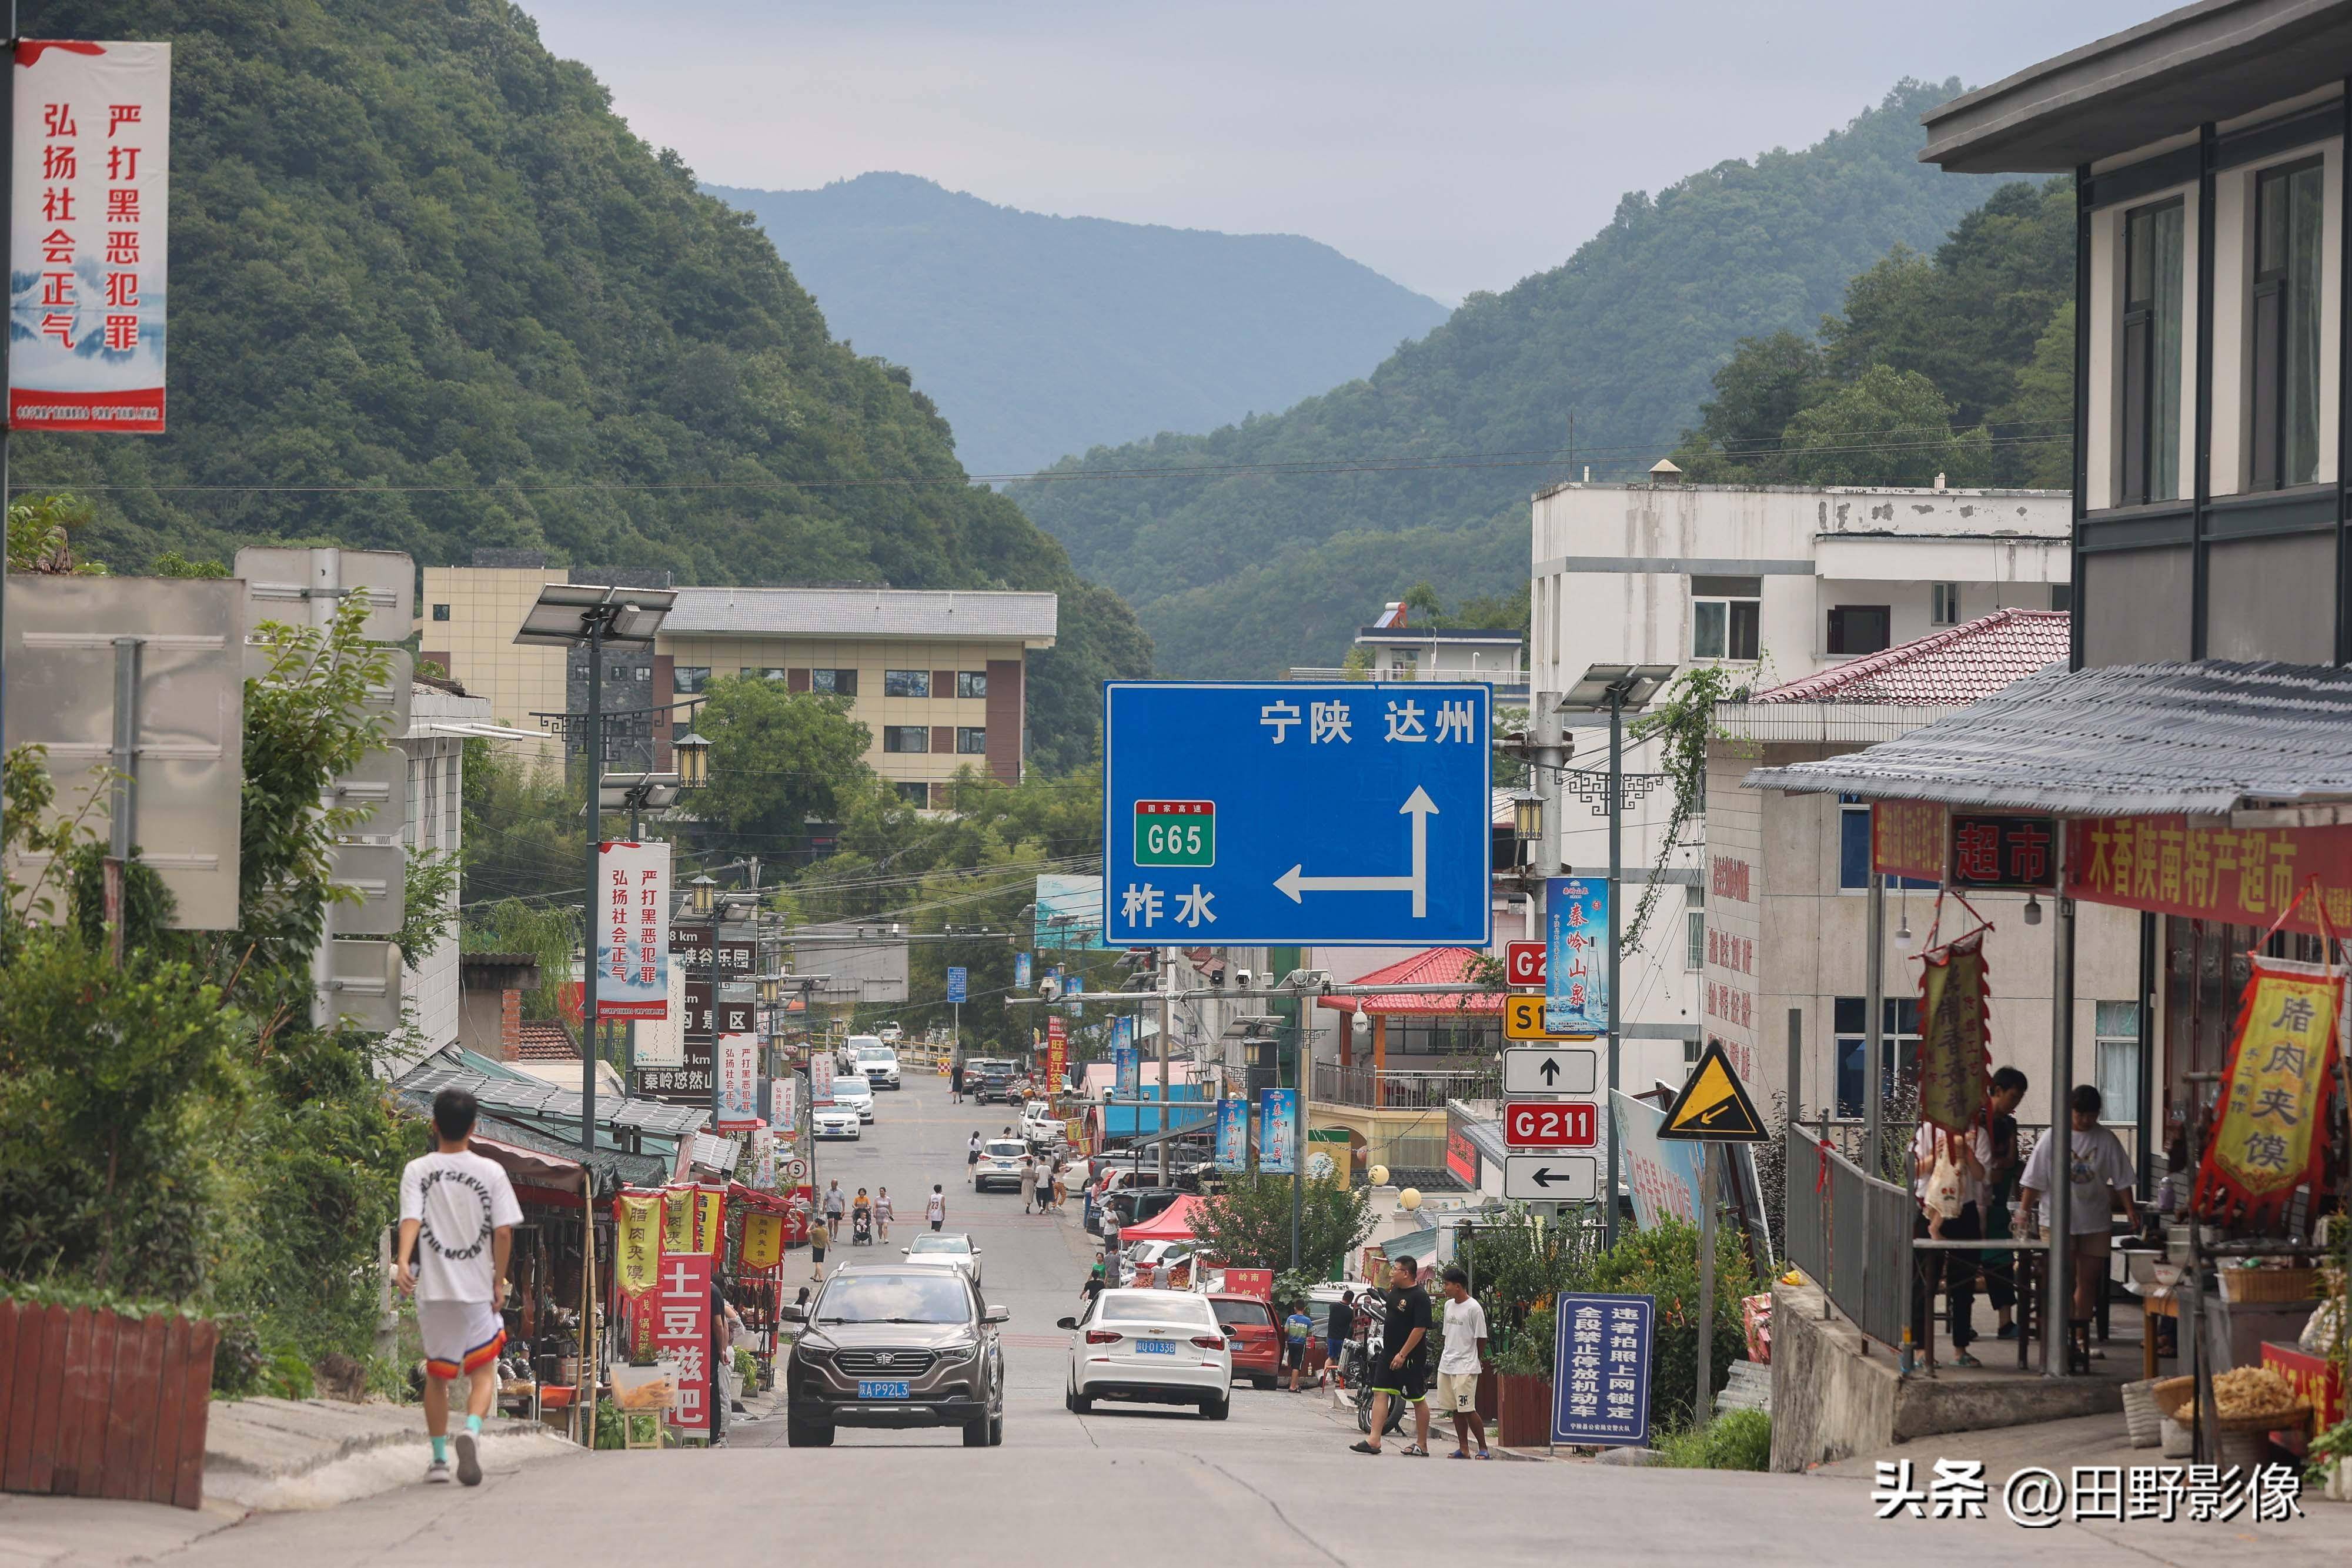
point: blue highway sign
(1275, 813)
(956, 984)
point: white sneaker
(436, 1474)
(470, 1464)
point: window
(1944, 606)
(916, 795)
(440, 613)
(2062, 596)
(1694, 927)
(1725, 615)
(771, 674)
(2115, 1026)
(2150, 415)
(971, 683)
(971, 740)
(687, 679)
(906, 683)
(2288, 204)
(833, 682)
(1854, 851)
(1898, 1034)
(1858, 629)
(906, 737)
(1690, 1053)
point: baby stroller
(861, 1228)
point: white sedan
(1000, 1164)
(1151, 1347)
(836, 1121)
(944, 1250)
(851, 1088)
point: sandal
(1414, 1453)
(1362, 1448)
(1455, 1454)
(1485, 1454)
(1967, 1361)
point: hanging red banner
(2273, 1103)
(1909, 838)
(1955, 1037)
(2242, 876)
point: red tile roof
(1435, 967)
(546, 1042)
(1950, 669)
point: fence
(1851, 1234)
(1403, 1090)
(93, 1404)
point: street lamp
(693, 754)
(705, 892)
(567, 615)
(1527, 816)
(1613, 689)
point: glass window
(2115, 1026)
(440, 613)
(971, 740)
(905, 1298)
(2289, 204)
(833, 682)
(2150, 415)
(1859, 629)
(915, 794)
(906, 683)
(1695, 948)
(1900, 1034)
(1944, 606)
(1725, 617)
(971, 683)
(687, 679)
(1853, 851)
(770, 673)
(906, 737)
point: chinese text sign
(1601, 1370)
(633, 930)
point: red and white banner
(680, 1305)
(739, 1082)
(88, 224)
(633, 930)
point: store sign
(633, 930)
(2242, 876)
(2270, 1137)
(1907, 837)
(89, 225)
(1601, 1370)
(2004, 854)
(681, 1324)
(1462, 1158)
(1058, 1056)
(738, 1083)
(638, 1222)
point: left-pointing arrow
(1420, 808)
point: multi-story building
(1393, 650)
(938, 676)
(1775, 584)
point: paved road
(1272, 1485)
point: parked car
(836, 1121)
(1160, 1347)
(1140, 1262)
(1253, 1335)
(888, 1344)
(1134, 1205)
(1040, 1128)
(995, 1083)
(878, 1063)
(851, 1088)
(890, 1033)
(944, 1250)
(1000, 1164)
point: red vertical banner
(680, 1309)
(1058, 1056)
(1907, 837)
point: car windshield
(1156, 1306)
(1234, 1315)
(1004, 1150)
(941, 1244)
(910, 1298)
(851, 1084)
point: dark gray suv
(895, 1345)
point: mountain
(430, 294)
(1040, 335)
(1298, 524)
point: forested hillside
(1039, 336)
(428, 293)
(1266, 539)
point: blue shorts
(1331, 1349)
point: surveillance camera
(1049, 987)
(1241, 978)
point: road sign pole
(1616, 877)
(590, 910)
(1703, 1407)
(1298, 1136)
(1167, 1016)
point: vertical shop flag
(639, 1243)
(1954, 1041)
(633, 930)
(2273, 1095)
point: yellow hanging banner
(2273, 1095)
(763, 1240)
(709, 1224)
(639, 1248)
(678, 1220)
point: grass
(1735, 1440)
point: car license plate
(881, 1389)
(1155, 1347)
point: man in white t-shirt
(1459, 1363)
(2097, 1173)
(457, 1215)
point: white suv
(878, 1062)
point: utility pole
(1616, 923)
(1167, 1021)
(589, 907)
(1298, 1133)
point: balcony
(1413, 1089)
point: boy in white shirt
(2097, 1173)
(1459, 1364)
(457, 1215)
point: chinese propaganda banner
(632, 931)
(1955, 1062)
(2274, 1093)
(739, 1082)
(91, 171)
(640, 1243)
(1575, 961)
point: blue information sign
(1233, 1135)
(1600, 1370)
(1278, 813)
(1277, 1131)
(1123, 1061)
(1576, 956)
(956, 973)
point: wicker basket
(2175, 1399)
(2269, 1284)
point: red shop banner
(1909, 838)
(2242, 876)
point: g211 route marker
(1279, 813)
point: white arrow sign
(1420, 808)
(1552, 1178)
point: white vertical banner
(88, 215)
(763, 1159)
(739, 1082)
(783, 1104)
(820, 1070)
(633, 930)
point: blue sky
(1454, 147)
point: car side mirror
(997, 1315)
(1066, 1322)
(977, 1250)
(906, 1253)
(792, 1312)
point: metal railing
(1424, 1090)
(1510, 680)
(1851, 1234)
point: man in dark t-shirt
(1337, 1331)
(1400, 1366)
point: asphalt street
(1273, 1485)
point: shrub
(1735, 1440)
(1663, 1262)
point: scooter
(861, 1229)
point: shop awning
(1173, 1223)
(531, 1168)
(2208, 739)
(613, 1168)
(1414, 1244)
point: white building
(440, 722)
(1777, 582)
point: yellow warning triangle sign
(1714, 1105)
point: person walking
(1093, 1287)
(936, 1209)
(1028, 1182)
(1459, 1364)
(1996, 1268)
(2097, 1173)
(1400, 1366)
(971, 1159)
(1061, 1191)
(1338, 1328)
(457, 1217)
(820, 1237)
(835, 1204)
(882, 1214)
(1296, 1330)
(955, 1082)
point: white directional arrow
(1420, 808)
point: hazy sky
(1453, 146)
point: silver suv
(887, 1344)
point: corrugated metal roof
(1962, 664)
(2205, 738)
(516, 1094)
(863, 613)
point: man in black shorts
(1400, 1367)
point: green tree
(779, 759)
(1248, 1224)
(1765, 384)
(1518, 1264)
(1885, 427)
(1662, 1261)
(2042, 416)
